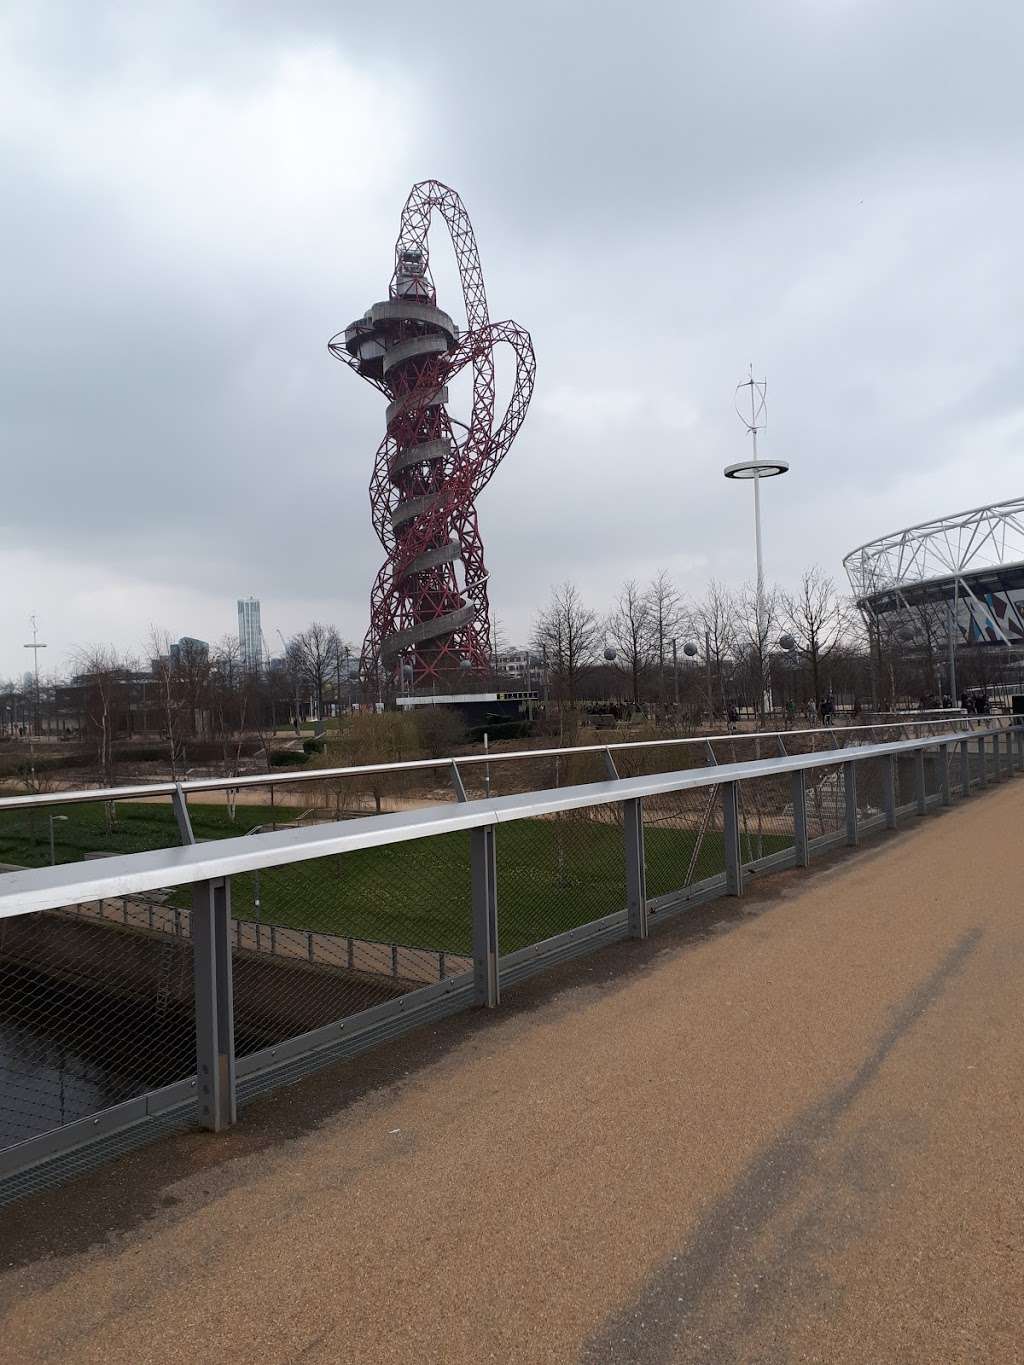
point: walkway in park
(790, 1132)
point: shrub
(502, 729)
(287, 758)
(375, 737)
(141, 753)
(441, 730)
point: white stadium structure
(967, 568)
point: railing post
(801, 844)
(458, 786)
(179, 804)
(850, 796)
(484, 871)
(965, 768)
(215, 1016)
(731, 838)
(636, 874)
(982, 774)
(889, 790)
(922, 792)
(1007, 757)
(947, 793)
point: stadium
(952, 584)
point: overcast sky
(198, 196)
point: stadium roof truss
(961, 556)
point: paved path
(793, 1136)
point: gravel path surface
(789, 1131)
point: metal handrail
(51, 887)
(289, 779)
(210, 1094)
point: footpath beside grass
(553, 875)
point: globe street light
(692, 651)
(787, 643)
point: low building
(525, 665)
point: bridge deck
(786, 1135)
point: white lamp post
(53, 850)
(751, 394)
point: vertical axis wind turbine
(35, 647)
(751, 393)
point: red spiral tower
(428, 604)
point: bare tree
(499, 639)
(566, 634)
(313, 655)
(105, 675)
(819, 617)
(666, 613)
(190, 663)
(342, 675)
(231, 689)
(170, 699)
(631, 629)
(757, 621)
(714, 623)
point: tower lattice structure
(428, 604)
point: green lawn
(553, 875)
(77, 830)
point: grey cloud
(661, 194)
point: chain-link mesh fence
(97, 1000)
(826, 801)
(906, 782)
(93, 1012)
(765, 817)
(68, 832)
(558, 872)
(934, 767)
(683, 840)
(329, 937)
(871, 792)
(977, 763)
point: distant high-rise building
(188, 651)
(250, 633)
